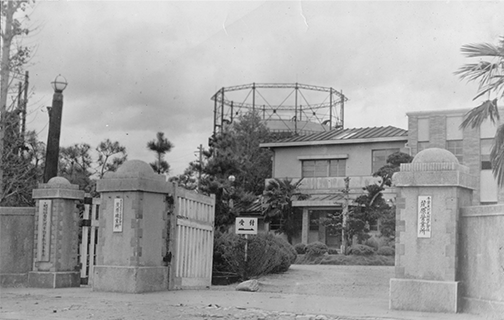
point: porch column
(56, 239)
(431, 190)
(133, 230)
(306, 226)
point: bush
(372, 242)
(316, 249)
(332, 251)
(372, 260)
(386, 251)
(361, 250)
(300, 248)
(266, 254)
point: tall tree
(235, 152)
(160, 146)
(14, 57)
(106, 162)
(488, 72)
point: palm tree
(160, 145)
(489, 72)
(279, 195)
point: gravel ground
(305, 292)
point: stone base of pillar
(130, 279)
(62, 279)
(13, 280)
(424, 295)
(483, 307)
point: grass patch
(348, 260)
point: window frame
(327, 164)
(386, 156)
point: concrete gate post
(132, 230)
(431, 190)
(56, 238)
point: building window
(323, 168)
(380, 158)
(314, 220)
(456, 147)
(453, 131)
(488, 183)
(423, 129)
(275, 223)
(486, 146)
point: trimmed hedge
(361, 250)
(386, 251)
(316, 249)
(300, 248)
(266, 254)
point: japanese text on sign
(424, 216)
(44, 231)
(118, 215)
(246, 226)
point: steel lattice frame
(329, 112)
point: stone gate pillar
(132, 230)
(431, 190)
(56, 238)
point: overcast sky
(136, 67)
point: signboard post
(118, 215)
(424, 216)
(246, 226)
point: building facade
(322, 161)
(471, 146)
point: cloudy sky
(138, 67)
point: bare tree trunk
(344, 224)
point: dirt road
(304, 292)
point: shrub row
(266, 254)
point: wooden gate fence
(191, 240)
(89, 239)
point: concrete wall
(481, 259)
(359, 161)
(16, 245)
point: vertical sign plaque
(118, 215)
(44, 230)
(424, 216)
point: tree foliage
(235, 152)
(160, 146)
(370, 206)
(279, 194)
(488, 72)
(106, 160)
(15, 165)
(75, 165)
(24, 170)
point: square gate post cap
(133, 175)
(58, 187)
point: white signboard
(424, 216)
(118, 215)
(246, 225)
(44, 230)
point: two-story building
(471, 146)
(323, 160)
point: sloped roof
(349, 135)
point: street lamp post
(52, 152)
